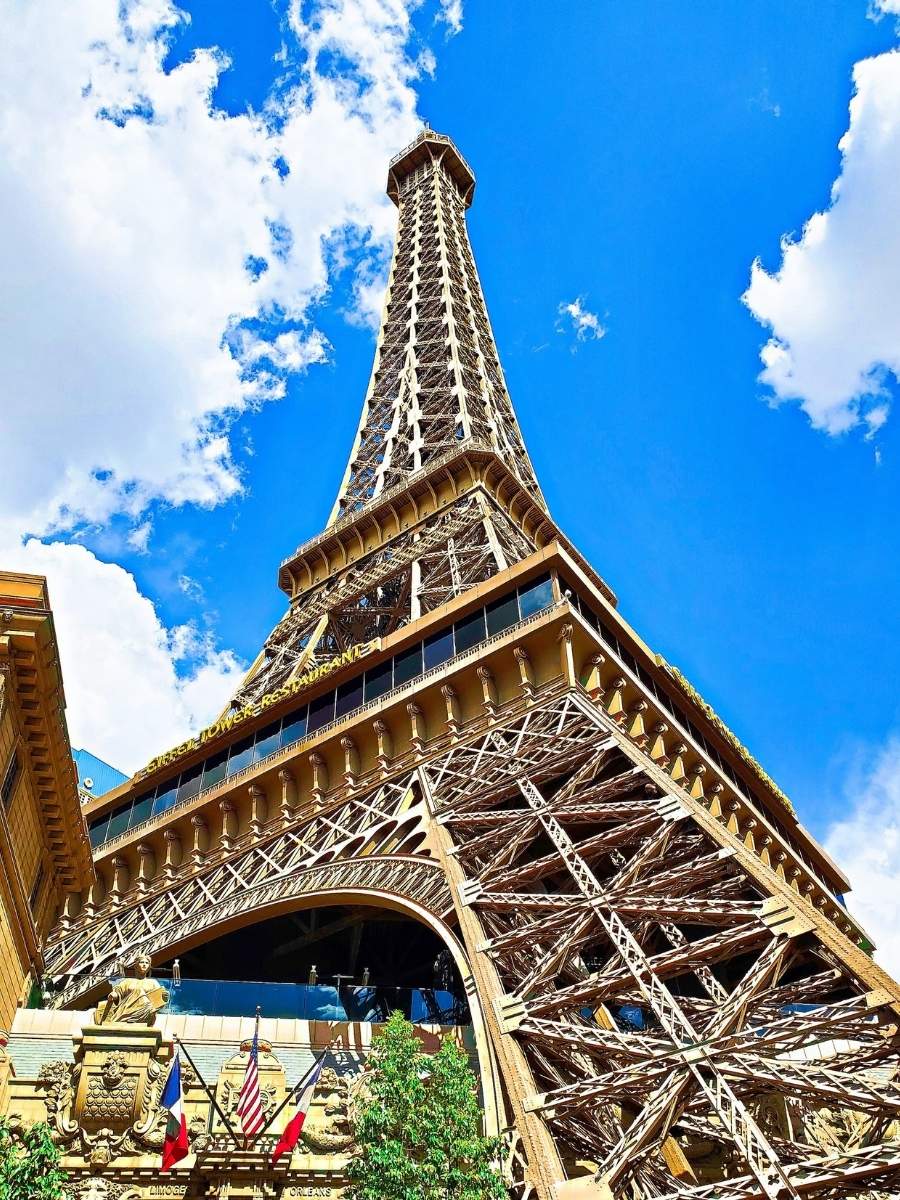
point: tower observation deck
(453, 722)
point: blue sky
(634, 158)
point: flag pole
(212, 1099)
(293, 1091)
(256, 1040)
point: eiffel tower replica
(669, 997)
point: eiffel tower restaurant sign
(247, 712)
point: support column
(545, 1169)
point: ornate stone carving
(111, 1094)
(328, 1129)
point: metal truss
(436, 381)
(688, 1026)
(410, 575)
(370, 843)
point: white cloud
(162, 264)
(573, 317)
(132, 686)
(834, 304)
(452, 15)
(866, 844)
(131, 208)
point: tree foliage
(29, 1164)
(418, 1127)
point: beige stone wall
(20, 848)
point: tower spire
(436, 382)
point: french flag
(175, 1147)
(291, 1135)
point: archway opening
(336, 962)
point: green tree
(29, 1164)
(418, 1127)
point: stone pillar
(320, 776)
(385, 744)
(351, 760)
(146, 866)
(174, 852)
(526, 671)
(452, 701)
(259, 810)
(288, 795)
(417, 727)
(229, 824)
(635, 728)
(200, 847)
(566, 658)
(121, 878)
(593, 684)
(488, 691)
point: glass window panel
(214, 769)
(349, 696)
(267, 740)
(97, 830)
(535, 596)
(321, 711)
(294, 727)
(438, 648)
(141, 810)
(189, 784)
(469, 631)
(239, 756)
(379, 679)
(118, 821)
(502, 613)
(408, 665)
(165, 796)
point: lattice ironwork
(437, 379)
(685, 1018)
(368, 843)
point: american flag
(249, 1105)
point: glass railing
(315, 1002)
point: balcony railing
(306, 1002)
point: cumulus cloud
(163, 263)
(833, 306)
(133, 687)
(163, 259)
(573, 317)
(866, 844)
(452, 15)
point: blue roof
(94, 775)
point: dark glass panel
(165, 796)
(214, 769)
(189, 785)
(469, 631)
(294, 727)
(267, 740)
(502, 613)
(118, 821)
(438, 648)
(536, 595)
(349, 696)
(97, 830)
(321, 711)
(379, 679)
(240, 756)
(408, 665)
(141, 809)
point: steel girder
(689, 1027)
